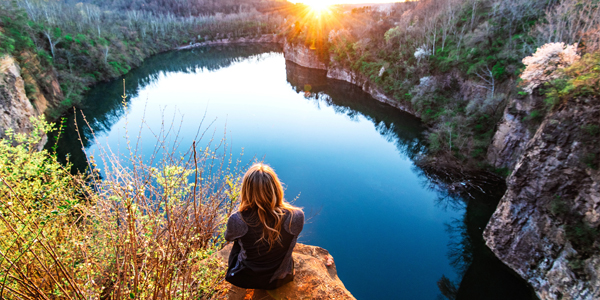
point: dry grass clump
(139, 232)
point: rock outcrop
(513, 132)
(546, 225)
(338, 72)
(22, 96)
(265, 38)
(16, 107)
(303, 56)
(313, 279)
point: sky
(329, 2)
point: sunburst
(317, 6)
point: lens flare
(317, 6)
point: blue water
(346, 158)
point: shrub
(142, 232)
(546, 63)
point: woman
(265, 229)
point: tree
(546, 64)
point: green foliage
(434, 142)
(30, 90)
(582, 236)
(74, 236)
(558, 206)
(590, 160)
(591, 129)
(581, 79)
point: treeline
(86, 44)
(457, 62)
(187, 8)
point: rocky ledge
(306, 57)
(313, 280)
(546, 225)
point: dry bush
(140, 232)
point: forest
(457, 63)
(83, 43)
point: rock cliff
(16, 107)
(303, 56)
(338, 72)
(514, 131)
(546, 225)
(313, 279)
(22, 96)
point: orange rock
(313, 279)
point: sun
(317, 6)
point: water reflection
(479, 275)
(400, 128)
(104, 107)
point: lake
(347, 159)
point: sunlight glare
(317, 6)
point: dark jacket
(251, 264)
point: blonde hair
(262, 191)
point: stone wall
(513, 132)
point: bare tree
(487, 76)
(571, 21)
(51, 41)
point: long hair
(262, 192)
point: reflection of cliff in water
(400, 128)
(481, 274)
(103, 106)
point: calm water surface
(346, 157)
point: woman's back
(265, 229)
(253, 263)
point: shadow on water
(481, 274)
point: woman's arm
(236, 227)
(297, 223)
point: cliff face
(338, 72)
(16, 105)
(546, 225)
(313, 279)
(303, 56)
(513, 132)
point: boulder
(313, 279)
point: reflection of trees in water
(402, 129)
(481, 274)
(103, 106)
